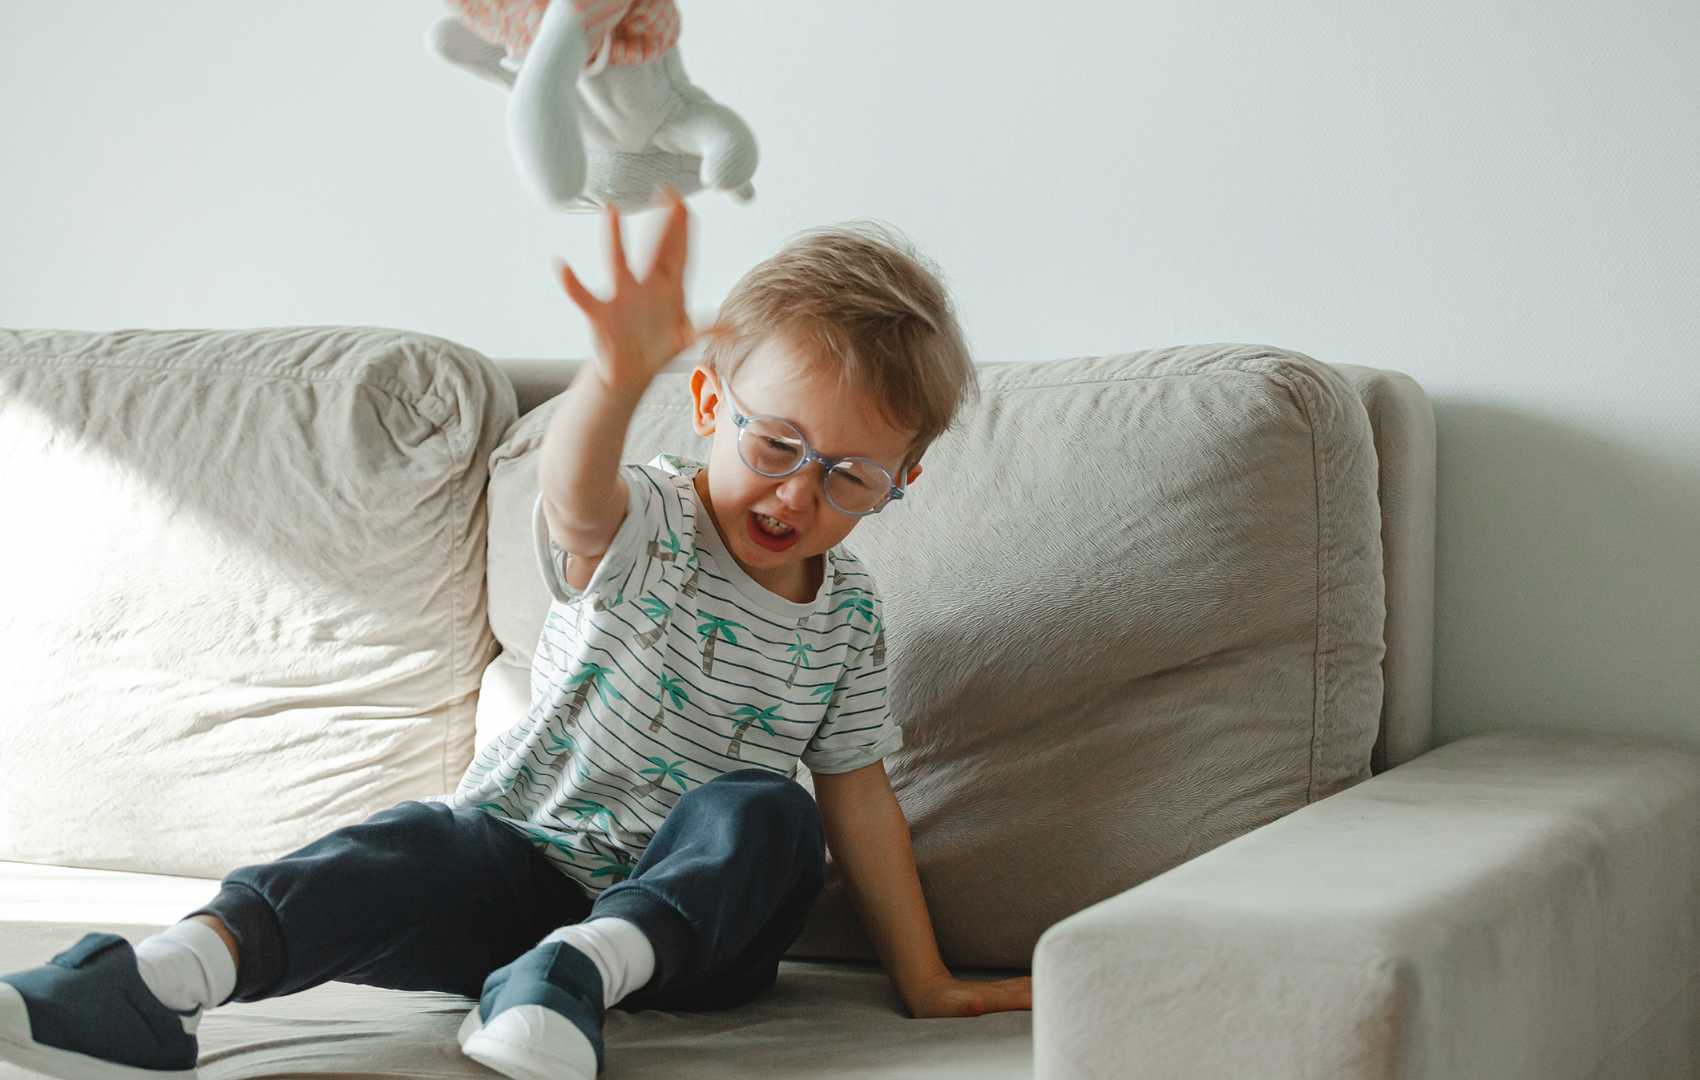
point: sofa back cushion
(245, 596)
(1133, 610)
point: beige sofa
(1160, 634)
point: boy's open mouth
(758, 524)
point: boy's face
(777, 381)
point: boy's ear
(913, 473)
(705, 401)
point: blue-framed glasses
(773, 446)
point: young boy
(638, 838)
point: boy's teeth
(772, 525)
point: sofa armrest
(1508, 905)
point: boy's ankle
(188, 966)
(216, 925)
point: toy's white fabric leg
(543, 126)
(455, 42)
(704, 127)
(646, 124)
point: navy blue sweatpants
(422, 897)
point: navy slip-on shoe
(87, 1015)
(539, 1018)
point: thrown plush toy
(600, 110)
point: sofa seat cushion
(820, 1020)
(245, 586)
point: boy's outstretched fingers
(581, 296)
(616, 246)
(670, 254)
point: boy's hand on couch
(950, 996)
(644, 325)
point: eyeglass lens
(773, 448)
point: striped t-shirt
(671, 667)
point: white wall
(1498, 199)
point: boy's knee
(776, 813)
(414, 810)
(415, 816)
(760, 794)
(407, 826)
(760, 786)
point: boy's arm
(637, 331)
(578, 467)
(869, 838)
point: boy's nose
(797, 491)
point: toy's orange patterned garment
(633, 31)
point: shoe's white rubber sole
(529, 1042)
(18, 1048)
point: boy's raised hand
(644, 324)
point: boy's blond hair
(858, 297)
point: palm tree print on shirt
(540, 840)
(611, 858)
(670, 688)
(524, 775)
(859, 603)
(747, 715)
(711, 631)
(657, 609)
(559, 744)
(799, 651)
(663, 771)
(689, 588)
(591, 675)
(581, 770)
(666, 550)
(591, 810)
(617, 867)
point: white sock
(622, 954)
(187, 967)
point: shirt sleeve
(628, 554)
(858, 729)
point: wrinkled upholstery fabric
(244, 578)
